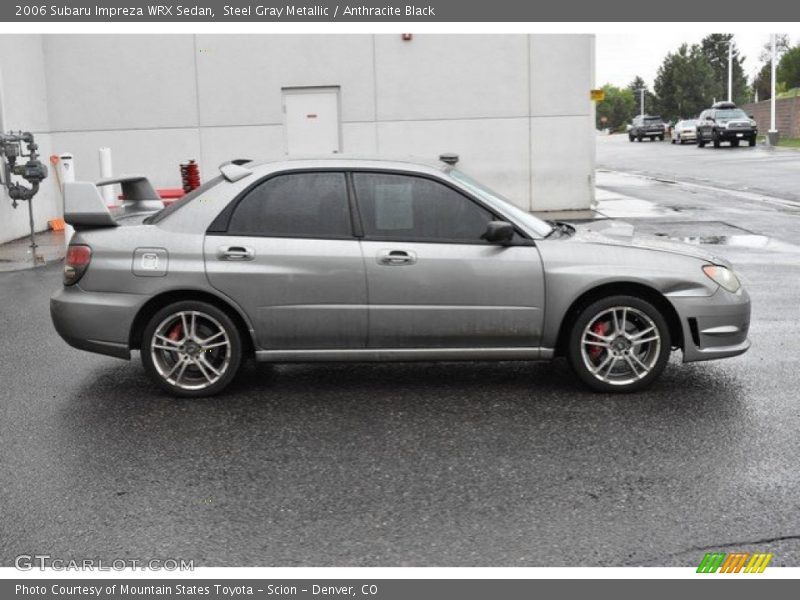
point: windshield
(732, 113)
(494, 199)
(689, 123)
(652, 120)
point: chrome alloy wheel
(190, 350)
(620, 345)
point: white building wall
(514, 107)
(23, 105)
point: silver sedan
(340, 259)
(685, 131)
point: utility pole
(772, 135)
(730, 69)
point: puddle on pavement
(744, 240)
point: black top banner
(391, 11)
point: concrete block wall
(514, 107)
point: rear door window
(311, 205)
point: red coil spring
(190, 176)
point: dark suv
(725, 122)
(647, 126)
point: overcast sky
(620, 57)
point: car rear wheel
(752, 142)
(631, 138)
(191, 349)
(619, 344)
(661, 138)
(715, 138)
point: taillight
(76, 262)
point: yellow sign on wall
(597, 95)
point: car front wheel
(191, 349)
(619, 344)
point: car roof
(347, 161)
(724, 105)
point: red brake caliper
(175, 333)
(599, 328)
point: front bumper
(737, 134)
(714, 326)
(95, 321)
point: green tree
(762, 82)
(650, 104)
(617, 109)
(788, 72)
(715, 50)
(683, 83)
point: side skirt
(404, 354)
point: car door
(288, 257)
(432, 281)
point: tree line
(692, 77)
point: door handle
(235, 253)
(396, 258)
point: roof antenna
(450, 158)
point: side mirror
(498, 232)
(751, 116)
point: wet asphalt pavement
(508, 464)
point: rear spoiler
(84, 207)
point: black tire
(751, 142)
(652, 138)
(701, 143)
(715, 138)
(639, 313)
(661, 138)
(630, 138)
(673, 140)
(227, 358)
(638, 138)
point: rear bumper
(95, 321)
(714, 326)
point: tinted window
(414, 208)
(171, 208)
(295, 205)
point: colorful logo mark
(734, 562)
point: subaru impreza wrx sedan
(342, 259)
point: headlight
(722, 276)
(753, 123)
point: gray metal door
(290, 261)
(432, 281)
(428, 295)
